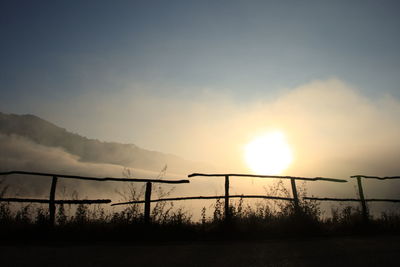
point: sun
(269, 154)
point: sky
(200, 79)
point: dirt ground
(338, 251)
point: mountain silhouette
(48, 134)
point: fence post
(227, 213)
(147, 203)
(362, 200)
(295, 196)
(52, 205)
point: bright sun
(268, 154)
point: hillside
(47, 134)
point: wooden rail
(64, 201)
(100, 179)
(52, 201)
(268, 176)
(375, 177)
(353, 199)
(203, 197)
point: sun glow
(268, 154)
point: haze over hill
(30, 143)
(30, 129)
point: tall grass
(259, 219)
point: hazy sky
(201, 78)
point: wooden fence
(227, 196)
(363, 201)
(52, 201)
(147, 201)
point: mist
(333, 130)
(19, 153)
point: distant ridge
(48, 134)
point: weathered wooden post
(147, 203)
(52, 205)
(227, 212)
(295, 196)
(362, 200)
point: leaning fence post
(147, 203)
(227, 213)
(295, 196)
(362, 200)
(52, 205)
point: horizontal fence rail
(64, 201)
(100, 179)
(203, 197)
(352, 199)
(268, 176)
(375, 177)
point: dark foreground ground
(382, 250)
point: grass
(261, 220)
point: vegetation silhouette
(261, 220)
